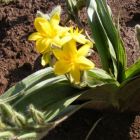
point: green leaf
(113, 35)
(65, 114)
(99, 13)
(100, 39)
(57, 107)
(128, 94)
(72, 9)
(73, 6)
(133, 70)
(98, 77)
(52, 96)
(45, 93)
(28, 82)
(104, 93)
(103, 44)
(6, 134)
(28, 136)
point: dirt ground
(18, 59)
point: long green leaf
(57, 107)
(105, 93)
(28, 82)
(129, 94)
(97, 77)
(53, 91)
(99, 37)
(113, 35)
(103, 44)
(65, 114)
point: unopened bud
(37, 115)
(19, 119)
(6, 110)
(15, 118)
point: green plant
(43, 100)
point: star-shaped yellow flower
(48, 32)
(71, 60)
(75, 34)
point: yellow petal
(57, 41)
(63, 31)
(58, 53)
(62, 67)
(35, 36)
(80, 38)
(90, 43)
(44, 59)
(83, 51)
(55, 16)
(65, 39)
(55, 19)
(64, 36)
(43, 45)
(75, 73)
(43, 26)
(85, 64)
(70, 49)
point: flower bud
(37, 115)
(6, 110)
(15, 118)
(19, 119)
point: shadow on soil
(114, 126)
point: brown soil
(19, 59)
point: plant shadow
(7, 24)
(116, 126)
(18, 74)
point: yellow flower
(71, 60)
(48, 33)
(75, 35)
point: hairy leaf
(27, 83)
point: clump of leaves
(45, 98)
